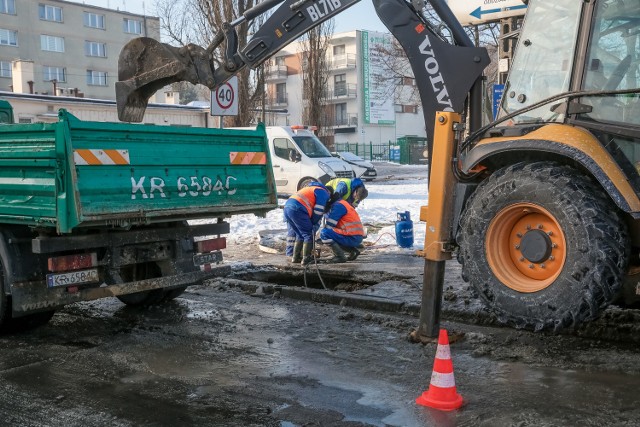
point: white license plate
(208, 258)
(74, 278)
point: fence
(383, 152)
(408, 150)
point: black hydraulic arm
(444, 72)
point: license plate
(74, 278)
(208, 258)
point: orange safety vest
(350, 224)
(307, 198)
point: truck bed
(72, 173)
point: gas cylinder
(404, 230)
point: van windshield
(311, 146)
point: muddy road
(239, 352)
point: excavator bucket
(145, 65)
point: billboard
(377, 88)
(474, 12)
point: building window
(132, 26)
(8, 7)
(281, 93)
(339, 50)
(8, 37)
(50, 13)
(340, 85)
(341, 114)
(280, 60)
(5, 69)
(93, 20)
(95, 49)
(54, 73)
(52, 43)
(96, 78)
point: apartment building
(55, 47)
(360, 107)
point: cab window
(282, 148)
(613, 62)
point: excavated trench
(312, 279)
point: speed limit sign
(224, 100)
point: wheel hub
(525, 247)
(535, 246)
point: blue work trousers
(328, 236)
(298, 223)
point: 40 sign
(224, 100)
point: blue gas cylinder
(404, 230)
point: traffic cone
(442, 392)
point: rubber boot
(297, 252)
(352, 253)
(338, 254)
(307, 257)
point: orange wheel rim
(525, 247)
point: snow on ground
(398, 188)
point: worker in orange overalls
(303, 211)
(343, 231)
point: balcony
(276, 72)
(343, 61)
(346, 120)
(279, 100)
(343, 90)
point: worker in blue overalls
(303, 212)
(343, 231)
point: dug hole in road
(259, 349)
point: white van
(298, 157)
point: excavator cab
(559, 240)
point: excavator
(542, 205)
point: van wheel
(543, 245)
(305, 182)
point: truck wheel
(172, 294)
(143, 298)
(5, 308)
(543, 245)
(148, 270)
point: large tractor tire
(543, 245)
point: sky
(361, 16)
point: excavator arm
(444, 72)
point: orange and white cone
(442, 392)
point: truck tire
(543, 245)
(148, 270)
(5, 308)
(171, 294)
(143, 298)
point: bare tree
(398, 76)
(315, 76)
(197, 21)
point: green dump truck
(91, 210)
